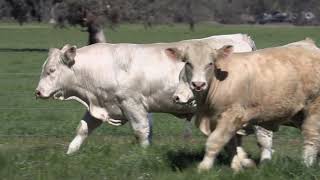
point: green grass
(34, 135)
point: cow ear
(225, 51)
(68, 54)
(52, 50)
(173, 53)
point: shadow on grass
(3, 161)
(23, 50)
(181, 159)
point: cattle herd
(222, 83)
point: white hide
(124, 82)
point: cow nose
(198, 85)
(37, 93)
(176, 98)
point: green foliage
(34, 134)
(151, 11)
(20, 10)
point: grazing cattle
(266, 87)
(121, 82)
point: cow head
(200, 63)
(56, 72)
(183, 94)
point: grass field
(34, 134)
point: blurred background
(94, 14)
(163, 11)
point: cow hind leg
(311, 134)
(264, 138)
(240, 158)
(86, 126)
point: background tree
(20, 10)
(88, 14)
(151, 12)
(94, 25)
(5, 9)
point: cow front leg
(227, 126)
(187, 132)
(138, 118)
(85, 128)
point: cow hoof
(204, 167)
(69, 152)
(266, 155)
(145, 144)
(248, 163)
(236, 164)
(310, 155)
(72, 149)
(241, 161)
(308, 162)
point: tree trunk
(94, 26)
(96, 34)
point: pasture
(34, 134)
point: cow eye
(188, 64)
(210, 65)
(52, 70)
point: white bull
(124, 82)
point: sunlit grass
(34, 135)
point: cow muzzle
(55, 94)
(40, 94)
(184, 101)
(180, 99)
(37, 93)
(198, 86)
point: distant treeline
(151, 12)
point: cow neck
(87, 96)
(80, 86)
(210, 98)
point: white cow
(122, 82)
